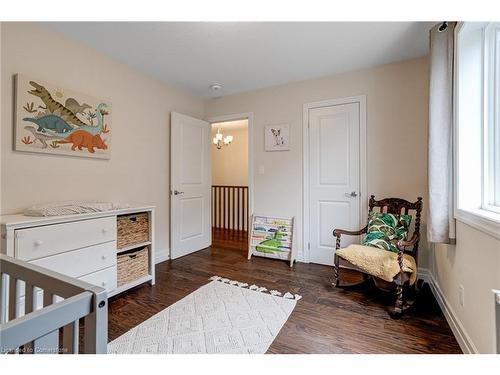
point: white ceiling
(245, 56)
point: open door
(190, 184)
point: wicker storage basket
(132, 229)
(132, 265)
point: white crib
(40, 311)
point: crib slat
(48, 298)
(28, 304)
(12, 298)
(70, 338)
(48, 344)
(3, 298)
(28, 307)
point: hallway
(227, 239)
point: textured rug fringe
(256, 288)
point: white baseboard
(162, 255)
(456, 326)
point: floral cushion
(385, 230)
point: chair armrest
(338, 232)
(402, 243)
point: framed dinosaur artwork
(54, 120)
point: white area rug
(223, 316)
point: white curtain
(440, 223)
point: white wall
(230, 163)
(138, 171)
(397, 117)
(474, 263)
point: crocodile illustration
(272, 244)
(94, 130)
(53, 106)
(40, 137)
(50, 122)
(73, 105)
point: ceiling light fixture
(219, 140)
(215, 87)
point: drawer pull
(103, 283)
(38, 243)
(104, 231)
(104, 257)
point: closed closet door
(334, 177)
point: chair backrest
(398, 206)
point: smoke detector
(215, 87)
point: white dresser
(83, 246)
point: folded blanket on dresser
(378, 262)
(72, 208)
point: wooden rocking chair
(394, 206)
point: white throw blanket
(72, 208)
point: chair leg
(336, 270)
(415, 291)
(398, 305)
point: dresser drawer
(39, 242)
(105, 278)
(81, 262)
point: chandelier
(219, 140)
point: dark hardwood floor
(325, 320)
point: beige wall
(138, 170)
(474, 263)
(230, 163)
(397, 113)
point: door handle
(352, 194)
(177, 192)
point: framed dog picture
(277, 137)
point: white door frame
(363, 194)
(235, 117)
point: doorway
(193, 196)
(231, 195)
(334, 174)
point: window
(492, 120)
(477, 125)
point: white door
(334, 183)
(190, 184)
